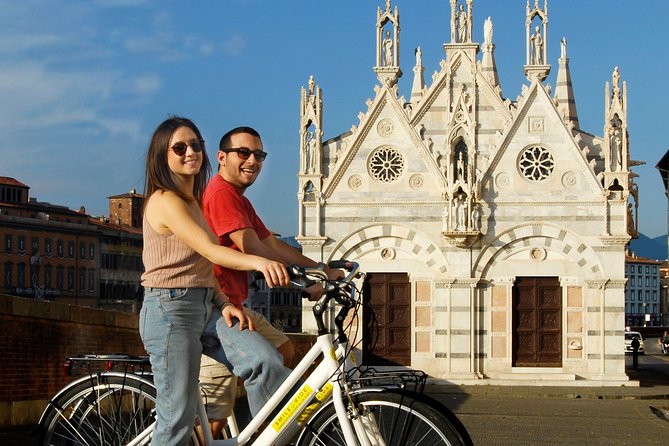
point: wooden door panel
(537, 322)
(387, 319)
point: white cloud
(234, 45)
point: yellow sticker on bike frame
(321, 396)
(291, 408)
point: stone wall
(36, 338)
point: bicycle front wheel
(107, 409)
(403, 419)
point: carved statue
(419, 57)
(487, 31)
(563, 48)
(311, 150)
(616, 82)
(461, 170)
(444, 220)
(537, 47)
(476, 218)
(463, 21)
(388, 50)
(461, 214)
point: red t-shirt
(227, 211)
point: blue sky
(83, 83)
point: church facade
(492, 230)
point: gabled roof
(8, 181)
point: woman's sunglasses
(180, 148)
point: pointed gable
(538, 158)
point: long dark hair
(158, 174)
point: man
(235, 223)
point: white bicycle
(338, 403)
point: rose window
(536, 163)
(386, 164)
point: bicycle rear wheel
(403, 419)
(105, 409)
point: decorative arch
(551, 237)
(379, 236)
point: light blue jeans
(173, 325)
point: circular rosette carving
(569, 179)
(416, 181)
(354, 182)
(386, 164)
(536, 163)
(503, 180)
(385, 127)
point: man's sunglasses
(245, 153)
(180, 148)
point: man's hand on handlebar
(315, 291)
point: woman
(180, 289)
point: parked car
(629, 335)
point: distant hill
(650, 248)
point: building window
(8, 275)
(647, 269)
(47, 277)
(647, 281)
(70, 249)
(632, 281)
(59, 278)
(22, 245)
(654, 295)
(82, 250)
(21, 275)
(70, 279)
(91, 251)
(34, 246)
(8, 243)
(59, 249)
(639, 295)
(91, 280)
(638, 269)
(47, 247)
(82, 279)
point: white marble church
(492, 230)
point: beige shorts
(218, 385)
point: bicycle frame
(322, 383)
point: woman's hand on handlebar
(275, 273)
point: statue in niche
(311, 149)
(617, 147)
(388, 50)
(419, 57)
(461, 168)
(537, 47)
(463, 21)
(487, 31)
(476, 218)
(461, 214)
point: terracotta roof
(12, 182)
